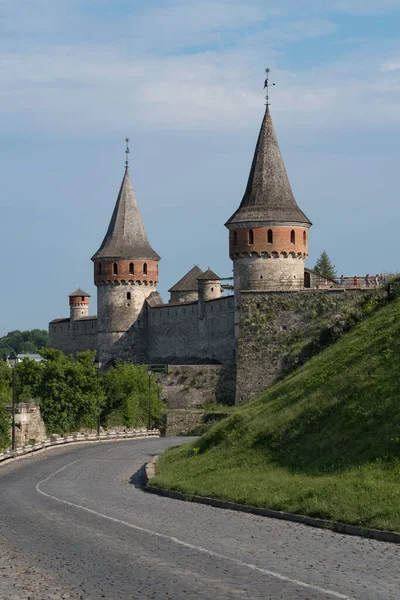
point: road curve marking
(236, 561)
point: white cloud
(392, 65)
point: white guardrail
(58, 440)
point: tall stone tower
(268, 233)
(125, 273)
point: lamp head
(13, 359)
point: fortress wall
(273, 326)
(85, 336)
(193, 386)
(192, 333)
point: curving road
(74, 523)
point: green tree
(5, 397)
(28, 377)
(70, 393)
(127, 396)
(5, 382)
(4, 427)
(23, 342)
(324, 266)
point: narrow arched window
(251, 236)
(131, 268)
(99, 268)
(235, 238)
(292, 237)
(115, 269)
(128, 296)
(304, 238)
(270, 236)
(145, 269)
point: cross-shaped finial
(267, 86)
(127, 152)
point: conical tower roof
(79, 292)
(268, 196)
(126, 237)
(208, 276)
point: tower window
(270, 236)
(292, 237)
(235, 238)
(131, 268)
(128, 296)
(115, 269)
(304, 238)
(83, 298)
(145, 269)
(251, 237)
(99, 269)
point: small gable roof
(188, 283)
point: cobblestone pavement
(74, 523)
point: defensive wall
(194, 386)
(274, 325)
(77, 336)
(192, 333)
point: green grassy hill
(325, 441)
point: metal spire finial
(267, 85)
(127, 152)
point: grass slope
(325, 441)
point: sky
(183, 80)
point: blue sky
(183, 80)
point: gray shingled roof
(79, 292)
(126, 237)
(268, 195)
(209, 276)
(188, 283)
(154, 299)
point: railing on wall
(74, 438)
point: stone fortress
(240, 340)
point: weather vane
(127, 152)
(267, 85)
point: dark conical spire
(268, 195)
(126, 237)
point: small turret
(209, 286)
(78, 305)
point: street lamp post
(149, 374)
(13, 359)
(98, 365)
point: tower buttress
(125, 273)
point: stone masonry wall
(272, 325)
(192, 334)
(84, 338)
(191, 386)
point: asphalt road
(74, 523)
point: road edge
(336, 527)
